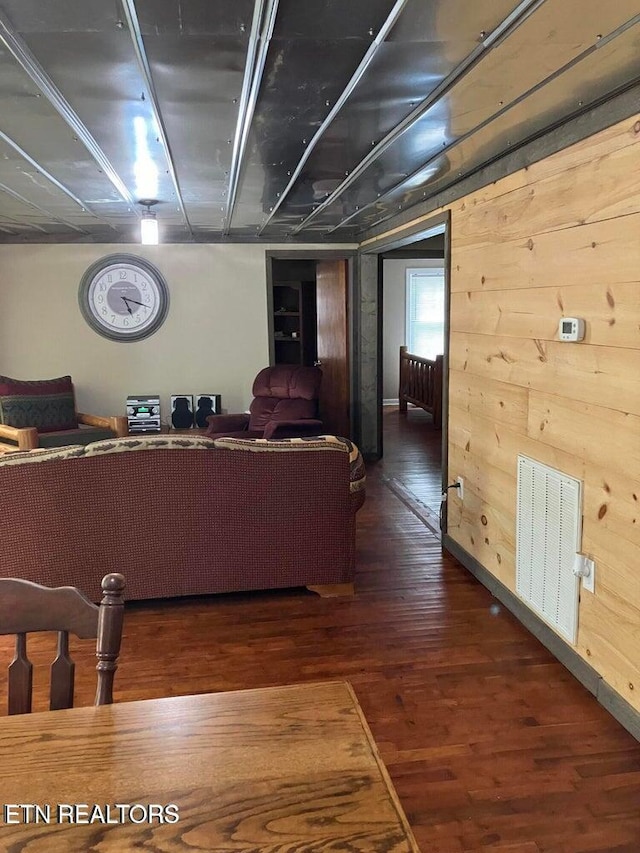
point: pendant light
(148, 224)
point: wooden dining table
(289, 769)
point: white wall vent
(548, 536)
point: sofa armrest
(117, 424)
(227, 423)
(26, 437)
(306, 426)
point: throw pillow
(47, 404)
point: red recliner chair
(285, 405)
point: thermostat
(571, 329)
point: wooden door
(333, 345)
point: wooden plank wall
(560, 238)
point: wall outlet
(460, 489)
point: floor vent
(548, 536)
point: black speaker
(181, 411)
(207, 404)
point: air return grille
(548, 534)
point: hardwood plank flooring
(412, 463)
(490, 742)
(413, 454)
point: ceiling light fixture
(148, 223)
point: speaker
(181, 411)
(207, 404)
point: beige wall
(394, 291)
(559, 238)
(213, 340)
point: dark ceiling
(280, 119)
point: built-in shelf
(293, 310)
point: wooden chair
(27, 607)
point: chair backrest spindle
(62, 675)
(20, 682)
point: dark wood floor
(411, 466)
(491, 744)
(413, 454)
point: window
(425, 312)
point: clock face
(123, 297)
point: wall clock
(123, 297)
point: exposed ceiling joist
(131, 16)
(420, 173)
(335, 109)
(45, 84)
(49, 177)
(519, 14)
(264, 15)
(17, 224)
(47, 213)
(280, 120)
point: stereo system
(143, 413)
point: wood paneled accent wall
(559, 238)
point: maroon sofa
(183, 515)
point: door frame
(351, 257)
(398, 239)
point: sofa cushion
(64, 437)
(46, 404)
(82, 435)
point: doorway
(413, 316)
(417, 462)
(309, 305)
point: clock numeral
(100, 299)
(125, 321)
(109, 278)
(138, 318)
(103, 286)
(123, 274)
(143, 284)
(113, 318)
(104, 310)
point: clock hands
(127, 300)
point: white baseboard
(390, 402)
